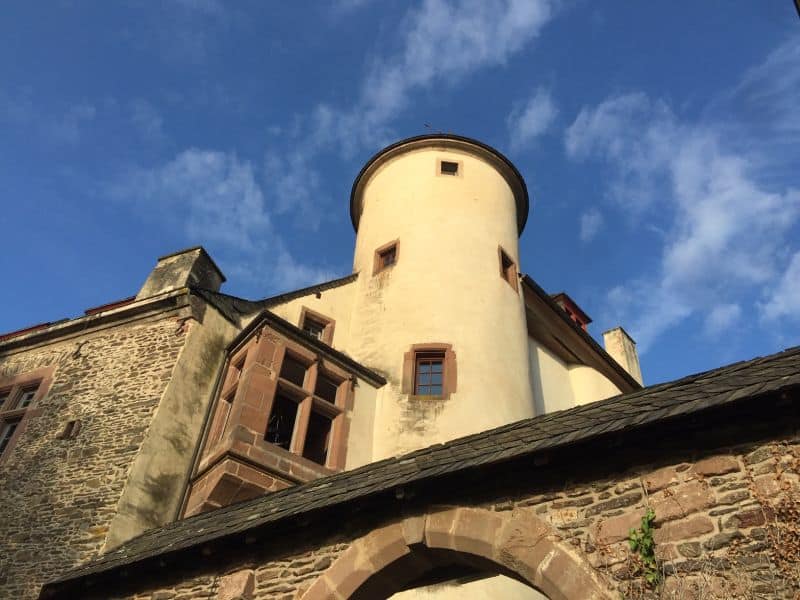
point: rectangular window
(293, 370)
(508, 269)
(386, 256)
(7, 430)
(313, 327)
(317, 438)
(18, 394)
(25, 398)
(448, 168)
(326, 389)
(280, 426)
(317, 325)
(429, 373)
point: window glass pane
(326, 388)
(388, 257)
(281, 421)
(6, 432)
(26, 398)
(428, 373)
(4, 398)
(313, 328)
(293, 370)
(317, 437)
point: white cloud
(529, 121)
(213, 197)
(784, 298)
(726, 231)
(591, 222)
(63, 126)
(721, 318)
(766, 96)
(441, 44)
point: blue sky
(660, 141)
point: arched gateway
(515, 543)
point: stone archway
(517, 543)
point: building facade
(154, 430)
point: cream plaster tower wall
(446, 287)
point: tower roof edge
(512, 175)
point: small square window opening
(385, 257)
(448, 168)
(313, 327)
(388, 257)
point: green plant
(642, 543)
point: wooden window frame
(449, 369)
(40, 378)
(329, 324)
(508, 273)
(378, 265)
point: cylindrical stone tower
(439, 309)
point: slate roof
(690, 395)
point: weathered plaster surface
(157, 478)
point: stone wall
(726, 527)
(58, 496)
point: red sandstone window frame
(225, 415)
(310, 403)
(391, 249)
(418, 352)
(328, 324)
(12, 389)
(508, 268)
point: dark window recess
(508, 270)
(317, 437)
(313, 328)
(326, 389)
(4, 398)
(428, 374)
(388, 257)
(293, 370)
(25, 398)
(449, 168)
(281, 422)
(6, 432)
(71, 430)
